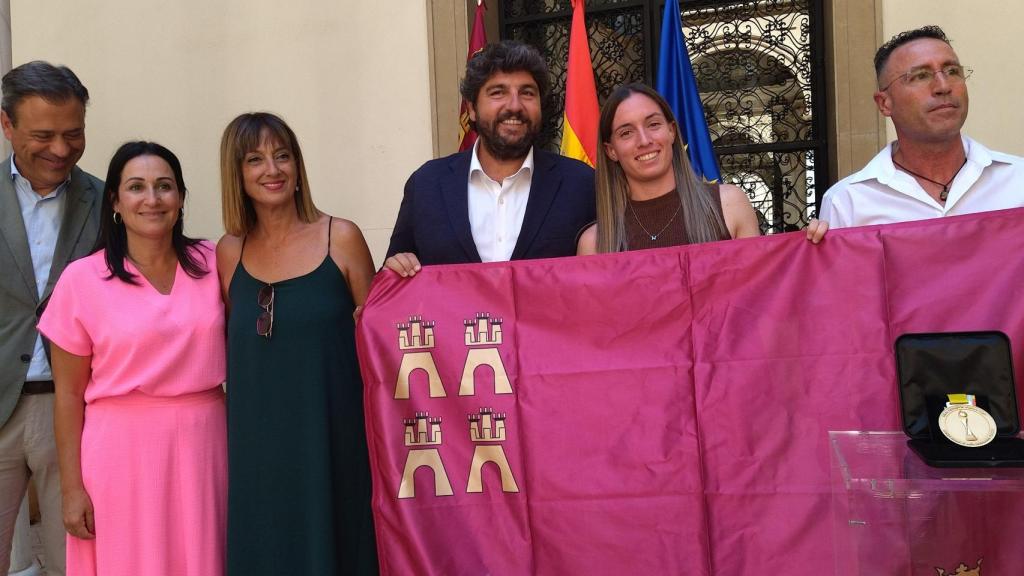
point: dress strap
(330, 224)
(242, 251)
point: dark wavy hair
(113, 237)
(505, 56)
(886, 50)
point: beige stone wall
(985, 35)
(856, 129)
(449, 26)
(351, 77)
(448, 38)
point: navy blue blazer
(433, 221)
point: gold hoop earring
(117, 218)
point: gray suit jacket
(20, 305)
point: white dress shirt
(881, 194)
(496, 210)
(42, 216)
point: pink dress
(154, 457)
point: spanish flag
(579, 125)
(477, 41)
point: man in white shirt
(505, 199)
(931, 170)
(49, 215)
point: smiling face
(149, 199)
(932, 112)
(641, 143)
(507, 113)
(269, 173)
(47, 138)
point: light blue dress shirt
(42, 216)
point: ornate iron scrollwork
(758, 65)
(754, 62)
(616, 49)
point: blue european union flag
(678, 86)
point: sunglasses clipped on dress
(265, 321)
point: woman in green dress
(293, 277)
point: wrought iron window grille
(759, 67)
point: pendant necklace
(653, 237)
(945, 187)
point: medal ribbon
(961, 399)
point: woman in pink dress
(137, 335)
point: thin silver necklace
(644, 228)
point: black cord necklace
(945, 187)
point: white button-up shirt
(881, 194)
(42, 216)
(496, 209)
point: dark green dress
(299, 478)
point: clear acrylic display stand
(895, 515)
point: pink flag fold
(666, 410)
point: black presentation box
(930, 366)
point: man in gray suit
(49, 212)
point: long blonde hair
(243, 135)
(701, 215)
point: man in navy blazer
(504, 199)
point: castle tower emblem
(416, 340)
(962, 570)
(488, 427)
(483, 336)
(419, 432)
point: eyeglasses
(265, 321)
(954, 73)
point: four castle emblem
(487, 428)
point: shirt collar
(56, 192)
(882, 169)
(475, 167)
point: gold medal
(964, 423)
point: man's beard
(502, 148)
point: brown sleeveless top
(662, 218)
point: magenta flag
(667, 411)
